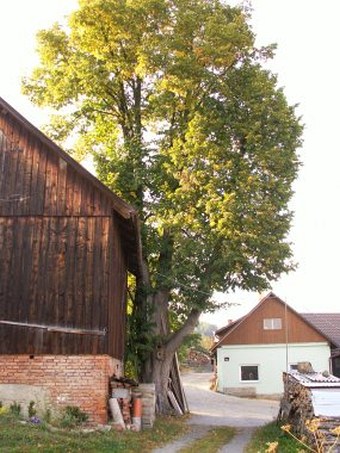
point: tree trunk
(159, 330)
(158, 366)
(161, 372)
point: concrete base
(23, 395)
(244, 392)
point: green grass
(212, 442)
(273, 433)
(18, 437)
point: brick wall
(54, 381)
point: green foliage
(15, 408)
(212, 442)
(73, 416)
(17, 438)
(170, 98)
(200, 341)
(31, 409)
(3, 410)
(47, 416)
(315, 439)
(190, 341)
(140, 342)
(270, 434)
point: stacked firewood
(296, 405)
(197, 358)
(296, 409)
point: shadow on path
(209, 409)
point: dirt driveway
(210, 409)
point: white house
(252, 352)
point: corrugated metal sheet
(326, 402)
(316, 380)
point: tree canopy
(172, 100)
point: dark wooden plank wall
(36, 181)
(62, 262)
(117, 306)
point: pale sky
(307, 33)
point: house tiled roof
(327, 323)
(223, 330)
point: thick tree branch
(175, 339)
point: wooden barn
(67, 244)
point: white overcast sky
(307, 33)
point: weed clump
(72, 417)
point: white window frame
(272, 324)
(250, 365)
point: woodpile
(125, 405)
(197, 358)
(300, 410)
(296, 405)
(125, 409)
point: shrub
(31, 409)
(73, 416)
(15, 408)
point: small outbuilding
(311, 406)
(67, 244)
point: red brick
(81, 380)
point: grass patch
(272, 433)
(212, 442)
(23, 438)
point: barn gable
(66, 241)
(66, 245)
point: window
(336, 366)
(249, 373)
(272, 323)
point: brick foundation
(55, 381)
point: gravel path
(196, 432)
(209, 409)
